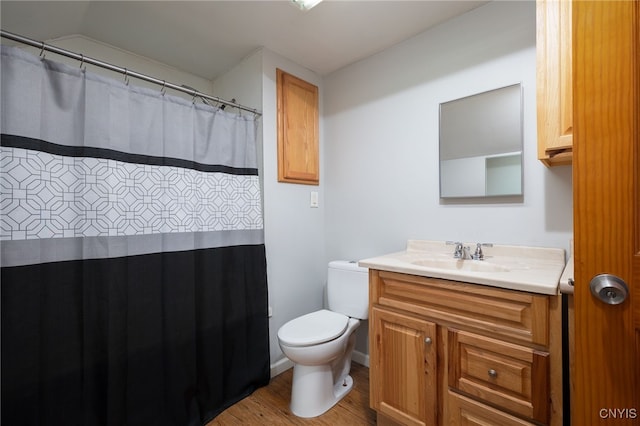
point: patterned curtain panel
(133, 272)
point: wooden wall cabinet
(298, 145)
(450, 353)
(554, 81)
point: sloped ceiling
(207, 38)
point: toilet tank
(348, 289)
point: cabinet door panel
(554, 82)
(403, 369)
(298, 157)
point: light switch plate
(314, 199)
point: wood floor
(270, 405)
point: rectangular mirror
(481, 144)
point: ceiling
(208, 38)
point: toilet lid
(314, 328)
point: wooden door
(606, 72)
(403, 372)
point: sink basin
(461, 265)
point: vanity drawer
(513, 315)
(466, 411)
(511, 376)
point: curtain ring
(82, 62)
(233, 101)
(42, 51)
(126, 76)
(163, 89)
(193, 100)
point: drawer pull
(428, 340)
(493, 373)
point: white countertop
(530, 269)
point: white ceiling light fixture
(305, 4)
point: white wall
(381, 142)
(242, 83)
(294, 232)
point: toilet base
(313, 391)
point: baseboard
(281, 366)
(285, 363)
(360, 358)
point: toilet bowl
(320, 344)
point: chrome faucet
(461, 251)
(479, 255)
(464, 252)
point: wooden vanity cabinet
(554, 81)
(449, 353)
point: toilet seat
(314, 328)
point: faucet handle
(479, 255)
(458, 252)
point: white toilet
(320, 344)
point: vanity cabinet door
(403, 370)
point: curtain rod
(127, 73)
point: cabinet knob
(428, 340)
(493, 373)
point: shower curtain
(133, 272)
